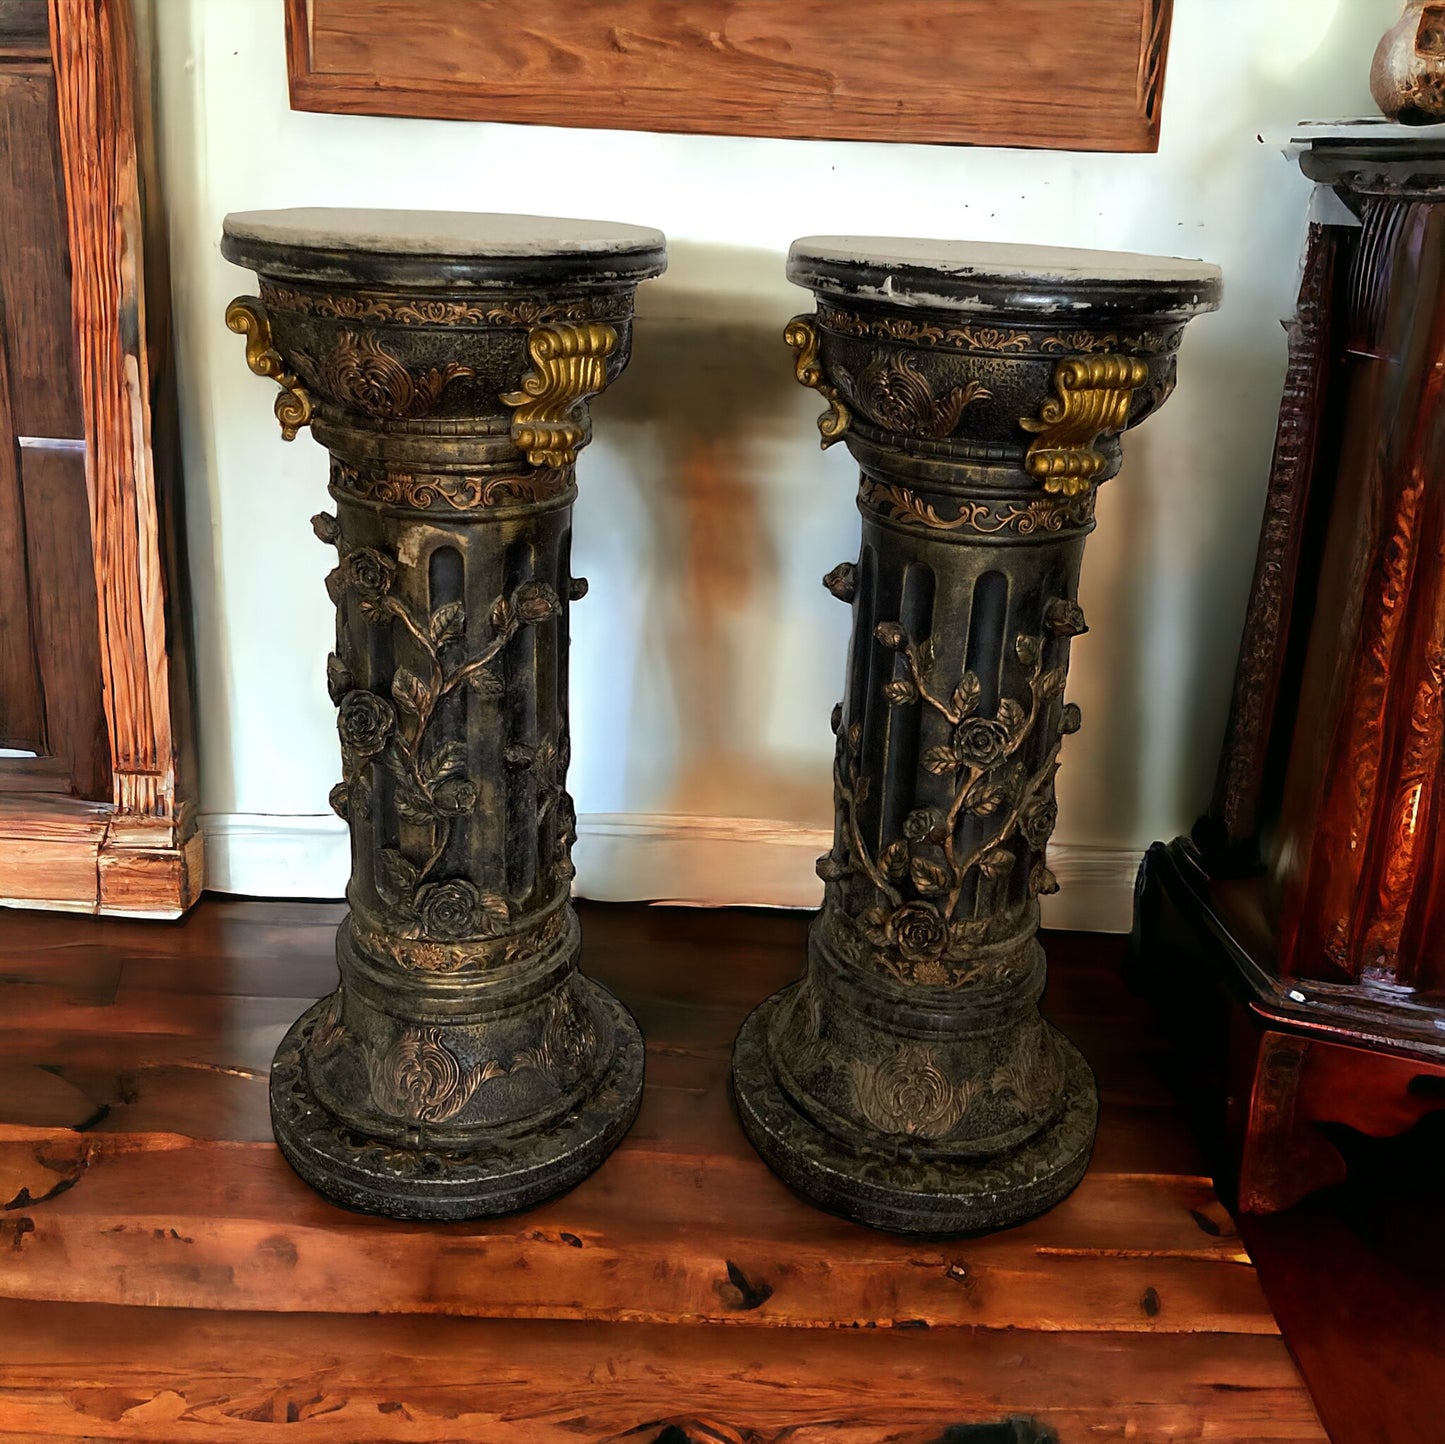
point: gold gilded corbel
(569, 365)
(247, 317)
(1093, 397)
(802, 335)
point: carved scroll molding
(569, 365)
(247, 317)
(1093, 397)
(148, 860)
(802, 335)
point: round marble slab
(1049, 282)
(460, 248)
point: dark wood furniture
(166, 1275)
(1301, 922)
(1066, 74)
(92, 673)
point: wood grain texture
(1357, 1278)
(62, 607)
(96, 526)
(35, 259)
(86, 1372)
(22, 715)
(48, 850)
(93, 47)
(681, 1282)
(1066, 74)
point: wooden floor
(163, 1275)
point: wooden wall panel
(22, 720)
(1064, 74)
(35, 260)
(47, 595)
(63, 614)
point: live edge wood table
(165, 1275)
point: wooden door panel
(22, 721)
(35, 259)
(50, 672)
(63, 613)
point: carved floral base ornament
(464, 1067)
(908, 1081)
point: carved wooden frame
(810, 69)
(140, 854)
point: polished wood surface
(116, 832)
(1067, 74)
(170, 1278)
(1356, 1275)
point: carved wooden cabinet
(1309, 900)
(94, 713)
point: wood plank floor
(163, 1275)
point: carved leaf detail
(396, 877)
(448, 623)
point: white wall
(707, 656)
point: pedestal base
(889, 1190)
(517, 1173)
(1272, 1057)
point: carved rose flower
(339, 798)
(449, 911)
(918, 931)
(981, 741)
(1065, 619)
(1071, 720)
(919, 823)
(368, 573)
(536, 601)
(365, 722)
(842, 581)
(455, 798)
(1037, 824)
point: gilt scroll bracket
(569, 365)
(246, 315)
(1093, 398)
(802, 335)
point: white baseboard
(654, 857)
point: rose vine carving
(431, 790)
(918, 878)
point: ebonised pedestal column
(909, 1082)
(464, 1067)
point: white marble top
(439, 233)
(997, 260)
(1374, 129)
